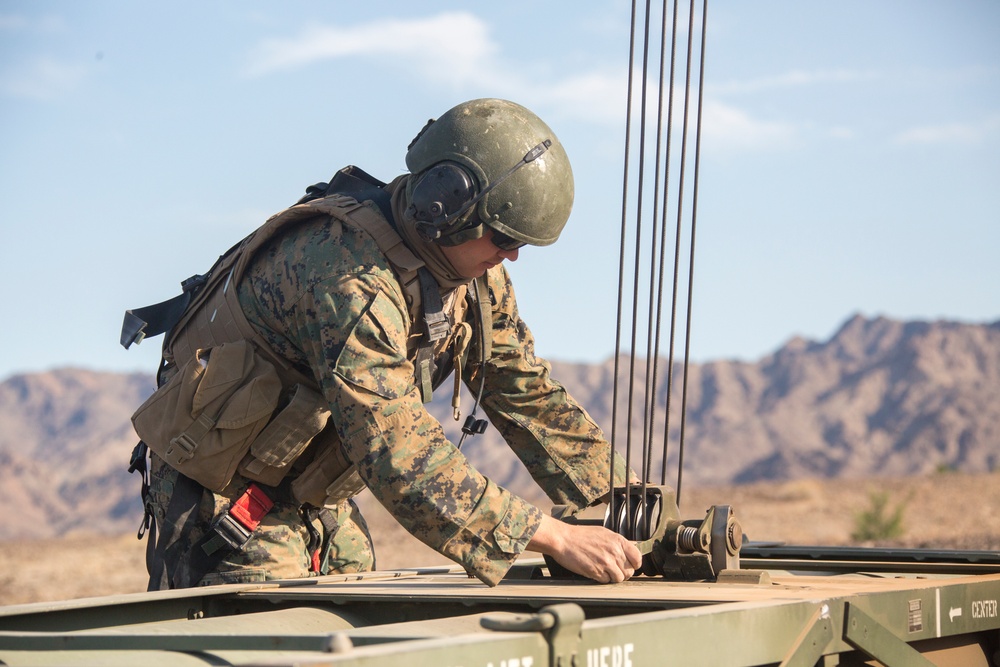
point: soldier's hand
(591, 551)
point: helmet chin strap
(444, 225)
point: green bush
(878, 522)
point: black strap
(437, 327)
(308, 513)
(357, 184)
(137, 463)
(318, 546)
(159, 317)
(153, 320)
(230, 533)
(483, 308)
(330, 527)
(165, 547)
(434, 317)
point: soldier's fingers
(632, 554)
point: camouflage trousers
(183, 512)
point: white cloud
(451, 46)
(51, 24)
(951, 133)
(43, 79)
(469, 57)
(792, 79)
(12, 22)
(449, 49)
(841, 132)
(595, 97)
(600, 98)
(727, 128)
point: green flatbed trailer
(783, 606)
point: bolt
(734, 537)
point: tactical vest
(227, 402)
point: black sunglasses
(503, 241)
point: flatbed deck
(791, 606)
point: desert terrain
(799, 442)
(940, 511)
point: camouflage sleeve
(560, 444)
(352, 330)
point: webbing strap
(434, 317)
(437, 328)
(425, 374)
(485, 309)
(330, 526)
(357, 184)
(319, 541)
(232, 530)
(152, 320)
(160, 317)
(137, 463)
(183, 446)
(251, 508)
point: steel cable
(658, 235)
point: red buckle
(314, 564)
(251, 508)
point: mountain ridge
(879, 397)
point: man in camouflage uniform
(340, 307)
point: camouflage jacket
(325, 297)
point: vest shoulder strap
(227, 321)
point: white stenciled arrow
(953, 612)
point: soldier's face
(474, 258)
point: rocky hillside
(65, 439)
(881, 397)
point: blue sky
(850, 159)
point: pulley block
(676, 549)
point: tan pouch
(203, 420)
(286, 437)
(330, 478)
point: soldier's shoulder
(325, 246)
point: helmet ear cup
(441, 191)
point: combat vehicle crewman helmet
(489, 162)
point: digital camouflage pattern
(278, 550)
(324, 297)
